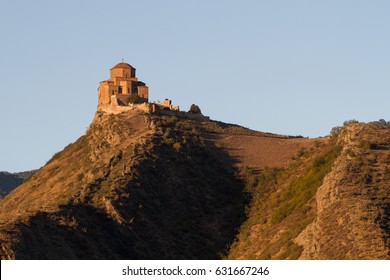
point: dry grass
(282, 206)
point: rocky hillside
(137, 186)
(9, 181)
(133, 187)
(353, 202)
(333, 202)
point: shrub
(195, 109)
(305, 187)
(134, 98)
(350, 122)
(335, 131)
(317, 162)
(382, 122)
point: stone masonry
(123, 92)
(123, 85)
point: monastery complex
(124, 92)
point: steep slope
(132, 187)
(140, 186)
(331, 203)
(137, 186)
(9, 181)
(353, 203)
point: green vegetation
(179, 134)
(305, 187)
(134, 98)
(282, 205)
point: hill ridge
(169, 187)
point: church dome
(123, 65)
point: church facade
(124, 86)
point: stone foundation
(148, 108)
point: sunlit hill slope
(149, 186)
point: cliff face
(353, 203)
(332, 203)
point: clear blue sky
(289, 67)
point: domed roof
(123, 65)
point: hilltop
(161, 186)
(173, 188)
(148, 181)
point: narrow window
(120, 90)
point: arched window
(119, 90)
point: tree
(195, 109)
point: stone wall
(143, 92)
(120, 72)
(149, 108)
(103, 93)
(114, 108)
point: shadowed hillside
(9, 181)
(148, 186)
(131, 188)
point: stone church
(124, 85)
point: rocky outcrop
(353, 201)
